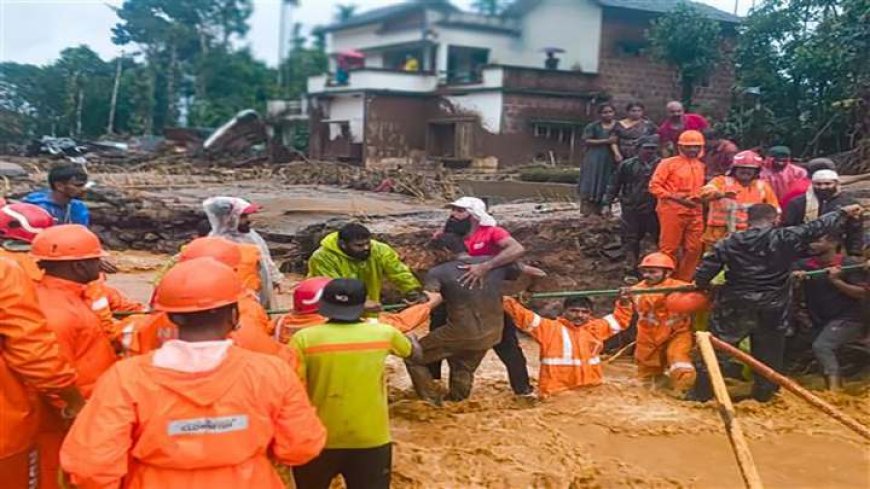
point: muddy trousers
(680, 238)
(462, 364)
(361, 468)
(508, 351)
(673, 359)
(835, 334)
(764, 327)
(635, 227)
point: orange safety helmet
(222, 250)
(199, 284)
(66, 242)
(657, 260)
(747, 159)
(23, 221)
(691, 138)
(686, 302)
(306, 295)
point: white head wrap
(476, 208)
(826, 176)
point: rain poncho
(223, 214)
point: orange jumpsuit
(664, 339)
(106, 300)
(569, 353)
(681, 227)
(83, 342)
(728, 215)
(30, 362)
(149, 427)
(150, 331)
(406, 320)
(23, 259)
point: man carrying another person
(676, 183)
(66, 184)
(827, 196)
(475, 320)
(483, 237)
(630, 185)
(756, 297)
(730, 196)
(351, 252)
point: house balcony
(375, 79)
(523, 79)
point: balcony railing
(374, 79)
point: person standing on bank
(600, 142)
(630, 130)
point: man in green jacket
(352, 253)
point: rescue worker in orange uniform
(30, 367)
(730, 196)
(676, 184)
(70, 256)
(570, 344)
(254, 323)
(664, 338)
(306, 307)
(19, 224)
(199, 412)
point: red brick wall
(628, 77)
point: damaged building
(429, 82)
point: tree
(344, 12)
(809, 60)
(489, 7)
(689, 41)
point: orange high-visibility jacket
(732, 213)
(79, 330)
(655, 324)
(677, 177)
(569, 353)
(150, 331)
(23, 259)
(106, 300)
(30, 360)
(158, 428)
(408, 319)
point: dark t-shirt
(824, 301)
(475, 317)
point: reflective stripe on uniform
(567, 346)
(536, 321)
(569, 361)
(100, 303)
(680, 366)
(343, 347)
(613, 323)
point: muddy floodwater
(617, 435)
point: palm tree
(344, 12)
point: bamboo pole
(793, 387)
(751, 479)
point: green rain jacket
(383, 263)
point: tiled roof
(379, 14)
(520, 7)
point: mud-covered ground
(618, 435)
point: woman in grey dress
(598, 162)
(630, 129)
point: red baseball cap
(252, 209)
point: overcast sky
(35, 31)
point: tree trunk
(79, 104)
(110, 127)
(171, 98)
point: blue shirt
(76, 212)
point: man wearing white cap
(825, 195)
(483, 237)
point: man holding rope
(756, 297)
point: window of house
(553, 131)
(465, 65)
